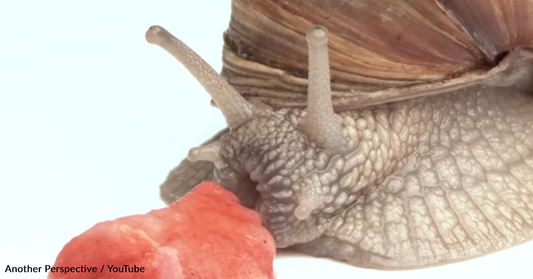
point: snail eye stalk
(320, 124)
(234, 107)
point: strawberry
(205, 234)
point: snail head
(286, 163)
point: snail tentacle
(234, 107)
(305, 208)
(209, 152)
(188, 174)
(320, 124)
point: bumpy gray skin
(429, 181)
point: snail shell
(392, 49)
(390, 134)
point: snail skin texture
(430, 167)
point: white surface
(92, 118)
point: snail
(388, 134)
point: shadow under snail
(391, 134)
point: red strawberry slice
(206, 234)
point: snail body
(402, 142)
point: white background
(92, 118)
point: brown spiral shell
(377, 48)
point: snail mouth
(246, 192)
(240, 184)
